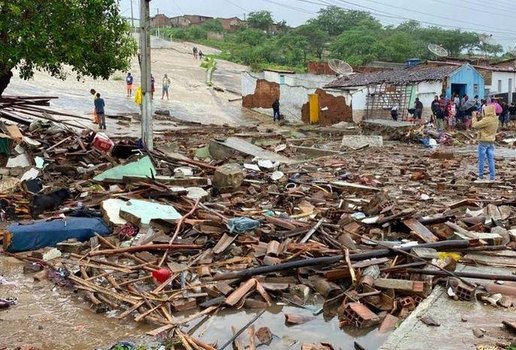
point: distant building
(188, 20)
(160, 21)
(232, 24)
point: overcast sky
(497, 18)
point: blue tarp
(42, 233)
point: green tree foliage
(90, 36)
(353, 36)
(260, 20)
(213, 25)
(335, 20)
(316, 38)
(192, 33)
(356, 47)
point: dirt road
(190, 98)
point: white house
(372, 95)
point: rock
(512, 235)
(228, 176)
(429, 321)
(479, 332)
(264, 335)
(505, 301)
(301, 291)
(506, 238)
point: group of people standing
(99, 116)
(458, 112)
(165, 85)
(197, 54)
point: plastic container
(102, 143)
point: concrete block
(359, 141)
(228, 176)
(359, 315)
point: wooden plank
(420, 230)
(223, 243)
(240, 292)
(160, 330)
(389, 283)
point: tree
(90, 36)
(260, 20)
(335, 20)
(251, 36)
(213, 25)
(315, 37)
(356, 47)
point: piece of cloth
(486, 150)
(138, 96)
(487, 126)
(242, 224)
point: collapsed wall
(332, 109)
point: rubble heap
(366, 233)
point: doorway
(459, 89)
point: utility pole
(145, 68)
(157, 24)
(132, 16)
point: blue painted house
(465, 80)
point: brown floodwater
(53, 317)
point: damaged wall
(259, 90)
(262, 95)
(333, 109)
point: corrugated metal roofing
(402, 76)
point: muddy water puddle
(218, 329)
(52, 318)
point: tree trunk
(5, 78)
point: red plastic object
(102, 143)
(161, 275)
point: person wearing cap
(486, 128)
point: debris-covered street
(309, 223)
(180, 201)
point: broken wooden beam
(328, 260)
(147, 247)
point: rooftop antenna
(340, 67)
(438, 50)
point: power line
(381, 13)
(483, 11)
(496, 30)
(295, 8)
(236, 5)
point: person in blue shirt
(129, 84)
(99, 110)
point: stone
(479, 332)
(360, 141)
(512, 235)
(506, 238)
(228, 176)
